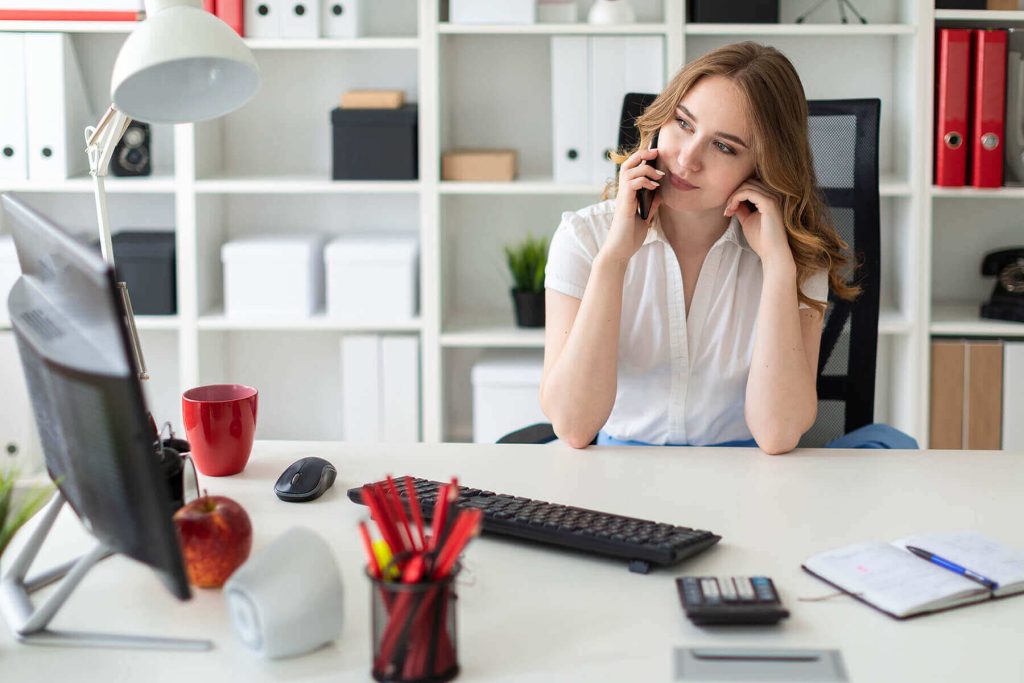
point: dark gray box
(734, 11)
(375, 144)
(146, 262)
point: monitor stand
(29, 623)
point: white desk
(528, 613)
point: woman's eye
(684, 124)
(724, 148)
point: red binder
(69, 15)
(210, 6)
(988, 106)
(952, 74)
(230, 12)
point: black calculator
(725, 600)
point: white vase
(611, 12)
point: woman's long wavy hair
(777, 113)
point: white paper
(992, 559)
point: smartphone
(645, 197)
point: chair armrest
(539, 433)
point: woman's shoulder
(589, 225)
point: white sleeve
(815, 287)
(570, 256)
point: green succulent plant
(526, 261)
(12, 516)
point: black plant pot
(529, 308)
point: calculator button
(727, 589)
(743, 588)
(710, 589)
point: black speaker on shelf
(132, 154)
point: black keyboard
(640, 541)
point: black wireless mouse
(305, 480)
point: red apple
(215, 536)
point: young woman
(701, 325)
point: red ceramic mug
(220, 424)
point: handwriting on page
(888, 577)
(1001, 563)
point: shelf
(977, 192)
(857, 29)
(70, 26)
(551, 29)
(216, 320)
(492, 332)
(113, 185)
(985, 16)
(963, 319)
(892, 322)
(157, 322)
(303, 185)
(398, 43)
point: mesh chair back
(844, 143)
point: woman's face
(705, 150)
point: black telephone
(1007, 300)
(645, 197)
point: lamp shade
(182, 65)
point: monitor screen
(98, 442)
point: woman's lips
(679, 183)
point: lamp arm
(100, 142)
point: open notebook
(891, 578)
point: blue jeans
(869, 436)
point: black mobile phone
(645, 197)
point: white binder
(1013, 405)
(618, 65)
(342, 18)
(400, 388)
(19, 440)
(570, 116)
(300, 18)
(360, 387)
(13, 136)
(263, 18)
(57, 108)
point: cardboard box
(488, 165)
(372, 278)
(273, 276)
(373, 99)
(491, 12)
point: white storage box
(380, 379)
(372, 279)
(491, 12)
(9, 272)
(506, 394)
(273, 276)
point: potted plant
(17, 507)
(526, 261)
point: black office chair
(844, 142)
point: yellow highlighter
(382, 551)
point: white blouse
(681, 379)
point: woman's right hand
(628, 230)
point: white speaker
(286, 600)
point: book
(890, 578)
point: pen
(954, 567)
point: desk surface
(533, 614)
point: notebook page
(997, 561)
(890, 578)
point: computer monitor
(98, 442)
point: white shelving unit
(266, 169)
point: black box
(734, 11)
(375, 144)
(146, 263)
(960, 4)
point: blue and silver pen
(953, 566)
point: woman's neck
(692, 231)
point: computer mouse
(305, 480)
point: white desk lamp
(180, 65)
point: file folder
(231, 13)
(1013, 157)
(300, 19)
(261, 18)
(13, 136)
(1013, 404)
(360, 382)
(988, 103)
(57, 108)
(570, 117)
(400, 388)
(341, 18)
(952, 75)
(947, 395)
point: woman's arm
(782, 399)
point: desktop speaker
(131, 155)
(286, 599)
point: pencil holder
(414, 630)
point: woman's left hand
(763, 228)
